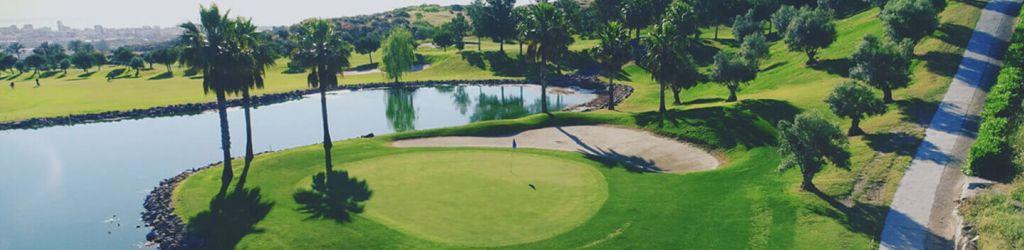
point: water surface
(82, 186)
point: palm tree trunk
(675, 95)
(371, 57)
(501, 45)
(716, 31)
(611, 92)
(661, 104)
(246, 104)
(479, 44)
(225, 142)
(520, 48)
(543, 87)
(327, 132)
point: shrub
(1004, 97)
(990, 152)
(998, 217)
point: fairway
(470, 198)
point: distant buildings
(104, 38)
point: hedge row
(992, 153)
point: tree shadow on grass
(86, 74)
(502, 65)
(165, 75)
(773, 66)
(839, 66)
(704, 54)
(495, 61)
(116, 74)
(474, 58)
(13, 76)
(48, 74)
(917, 110)
(365, 67)
(940, 63)
(770, 109)
(889, 142)
(717, 127)
(703, 101)
(864, 218)
(229, 219)
(333, 196)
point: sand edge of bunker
(638, 149)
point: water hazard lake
(82, 186)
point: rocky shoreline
(169, 231)
(589, 83)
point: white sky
(134, 13)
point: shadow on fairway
(770, 109)
(229, 219)
(866, 219)
(86, 74)
(333, 196)
(839, 67)
(888, 142)
(495, 61)
(165, 75)
(720, 127)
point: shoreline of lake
(589, 83)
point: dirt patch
(637, 149)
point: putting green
(480, 198)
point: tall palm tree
(212, 48)
(254, 48)
(612, 53)
(320, 49)
(548, 38)
(664, 59)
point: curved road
(921, 214)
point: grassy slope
(746, 204)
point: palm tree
(210, 47)
(548, 38)
(255, 50)
(319, 47)
(612, 53)
(663, 58)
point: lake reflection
(82, 186)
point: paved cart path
(921, 214)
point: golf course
(704, 173)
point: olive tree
(882, 64)
(745, 25)
(809, 31)
(754, 48)
(809, 142)
(909, 19)
(782, 17)
(732, 70)
(854, 101)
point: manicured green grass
(745, 204)
(642, 210)
(478, 197)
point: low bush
(991, 151)
(998, 217)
